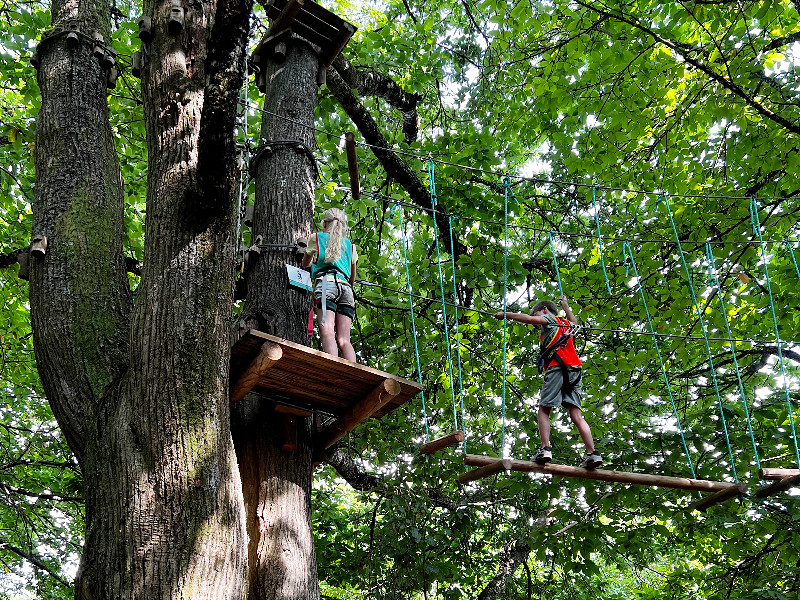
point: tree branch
(31, 558)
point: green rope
(756, 223)
(665, 200)
(555, 262)
(794, 260)
(458, 334)
(413, 322)
(712, 273)
(431, 174)
(600, 238)
(626, 253)
(506, 191)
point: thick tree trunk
(143, 396)
(277, 484)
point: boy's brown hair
(550, 306)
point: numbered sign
(299, 278)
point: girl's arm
(308, 257)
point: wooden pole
(777, 473)
(268, 355)
(359, 413)
(443, 442)
(352, 164)
(486, 470)
(679, 483)
(718, 497)
(778, 487)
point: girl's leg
(343, 324)
(327, 332)
(583, 427)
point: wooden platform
(489, 465)
(310, 380)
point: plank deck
(312, 380)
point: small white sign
(299, 278)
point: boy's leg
(543, 419)
(583, 427)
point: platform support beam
(443, 442)
(778, 487)
(359, 413)
(267, 356)
(680, 483)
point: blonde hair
(337, 229)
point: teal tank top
(342, 265)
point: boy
(562, 375)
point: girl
(332, 258)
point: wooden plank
(679, 483)
(292, 410)
(777, 473)
(345, 33)
(269, 354)
(486, 470)
(779, 486)
(359, 413)
(443, 442)
(720, 496)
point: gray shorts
(552, 388)
(338, 296)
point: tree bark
(277, 484)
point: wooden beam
(291, 410)
(443, 442)
(487, 470)
(679, 483)
(778, 487)
(268, 355)
(286, 18)
(720, 496)
(359, 413)
(777, 473)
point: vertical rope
(506, 190)
(555, 262)
(663, 198)
(794, 260)
(712, 273)
(431, 174)
(626, 253)
(600, 238)
(413, 321)
(458, 334)
(756, 223)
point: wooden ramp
(489, 465)
(309, 380)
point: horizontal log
(291, 410)
(777, 473)
(443, 442)
(680, 483)
(485, 471)
(720, 496)
(359, 413)
(779, 486)
(267, 356)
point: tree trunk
(277, 484)
(142, 396)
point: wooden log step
(779, 486)
(680, 483)
(443, 442)
(775, 474)
(487, 470)
(269, 354)
(720, 496)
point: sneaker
(591, 461)
(543, 455)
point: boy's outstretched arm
(567, 310)
(521, 318)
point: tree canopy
(639, 157)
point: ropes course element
(555, 263)
(463, 427)
(712, 273)
(600, 238)
(413, 321)
(628, 253)
(756, 223)
(794, 260)
(700, 320)
(506, 190)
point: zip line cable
(756, 223)
(700, 320)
